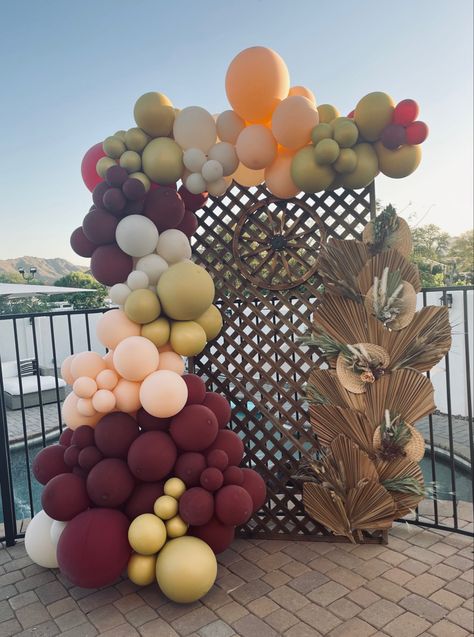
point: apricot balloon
(304, 91)
(135, 357)
(256, 147)
(163, 393)
(114, 326)
(293, 120)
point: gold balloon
(346, 132)
(141, 569)
(398, 163)
(162, 161)
(307, 174)
(176, 527)
(165, 507)
(186, 569)
(158, 332)
(187, 338)
(186, 291)
(120, 134)
(113, 147)
(147, 534)
(321, 131)
(142, 306)
(154, 113)
(211, 322)
(366, 170)
(131, 161)
(103, 165)
(326, 152)
(373, 113)
(327, 113)
(174, 487)
(136, 139)
(143, 178)
(346, 162)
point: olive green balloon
(143, 178)
(326, 152)
(187, 338)
(307, 174)
(346, 133)
(162, 161)
(103, 165)
(131, 161)
(113, 147)
(398, 163)
(346, 162)
(154, 113)
(142, 306)
(366, 170)
(373, 113)
(158, 332)
(186, 291)
(136, 139)
(211, 322)
(327, 112)
(321, 131)
(120, 134)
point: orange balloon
(72, 417)
(293, 120)
(172, 362)
(163, 394)
(66, 370)
(107, 379)
(278, 176)
(256, 80)
(127, 395)
(247, 177)
(304, 91)
(86, 364)
(84, 387)
(135, 357)
(104, 401)
(114, 326)
(256, 147)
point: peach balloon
(107, 379)
(304, 91)
(71, 416)
(256, 80)
(127, 395)
(293, 120)
(135, 357)
(165, 348)
(114, 326)
(247, 177)
(84, 387)
(87, 364)
(172, 362)
(85, 407)
(278, 176)
(109, 360)
(229, 125)
(256, 147)
(66, 370)
(163, 394)
(104, 401)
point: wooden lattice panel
(256, 361)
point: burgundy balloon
(233, 505)
(196, 389)
(255, 486)
(189, 224)
(89, 457)
(165, 208)
(114, 433)
(99, 226)
(133, 189)
(194, 428)
(229, 442)
(110, 265)
(393, 136)
(71, 455)
(152, 456)
(219, 536)
(189, 467)
(49, 463)
(233, 475)
(211, 479)
(110, 483)
(65, 496)
(196, 506)
(83, 436)
(133, 208)
(143, 498)
(98, 194)
(148, 422)
(93, 549)
(116, 176)
(217, 458)
(81, 244)
(79, 471)
(219, 406)
(65, 437)
(114, 200)
(193, 202)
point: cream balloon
(118, 293)
(56, 531)
(217, 188)
(153, 265)
(136, 235)
(38, 542)
(138, 280)
(194, 159)
(212, 170)
(194, 127)
(225, 154)
(173, 246)
(229, 125)
(195, 183)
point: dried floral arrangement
(364, 471)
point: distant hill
(47, 270)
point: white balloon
(194, 159)
(38, 542)
(217, 188)
(154, 266)
(212, 170)
(194, 127)
(118, 293)
(225, 154)
(173, 246)
(138, 280)
(195, 183)
(136, 235)
(56, 530)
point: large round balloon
(49, 462)
(398, 163)
(135, 357)
(293, 120)
(110, 483)
(143, 498)
(254, 484)
(88, 166)
(154, 113)
(189, 467)
(307, 174)
(65, 496)
(229, 125)
(248, 177)
(38, 542)
(110, 265)
(136, 235)
(115, 433)
(114, 326)
(194, 127)
(278, 176)
(185, 290)
(366, 169)
(234, 505)
(163, 393)
(373, 113)
(219, 536)
(256, 147)
(162, 161)
(152, 456)
(194, 428)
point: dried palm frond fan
(364, 408)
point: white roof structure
(19, 290)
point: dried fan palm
(395, 262)
(364, 364)
(354, 464)
(370, 506)
(395, 438)
(391, 300)
(404, 479)
(327, 508)
(328, 422)
(325, 384)
(388, 231)
(340, 261)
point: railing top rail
(95, 310)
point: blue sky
(73, 70)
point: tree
(82, 300)
(461, 251)
(22, 305)
(431, 254)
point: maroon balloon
(133, 189)
(233, 505)
(71, 455)
(217, 458)
(81, 244)
(165, 208)
(143, 498)
(99, 226)
(110, 265)
(393, 136)
(114, 433)
(49, 463)
(116, 176)
(133, 208)
(219, 536)
(193, 202)
(114, 200)
(98, 194)
(152, 456)
(110, 483)
(196, 389)
(148, 422)
(211, 479)
(255, 486)
(405, 112)
(417, 133)
(229, 442)
(196, 506)
(194, 428)
(93, 549)
(79, 471)
(233, 475)
(83, 436)
(189, 467)
(220, 406)
(189, 224)
(65, 496)
(65, 437)
(89, 457)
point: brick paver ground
(421, 584)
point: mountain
(47, 270)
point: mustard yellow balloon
(366, 170)
(147, 534)
(346, 132)
(162, 161)
(165, 507)
(174, 487)
(211, 322)
(136, 139)
(141, 569)
(307, 174)
(186, 291)
(176, 527)
(326, 152)
(120, 134)
(398, 163)
(187, 338)
(154, 113)
(131, 161)
(186, 569)
(346, 162)
(103, 165)
(158, 332)
(321, 131)
(327, 112)
(113, 147)
(373, 113)
(142, 306)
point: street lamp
(28, 277)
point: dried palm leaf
(354, 464)
(347, 321)
(404, 479)
(328, 422)
(327, 508)
(364, 364)
(326, 385)
(340, 261)
(395, 262)
(392, 303)
(370, 506)
(388, 231)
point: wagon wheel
(276, 243)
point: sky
(72, 71)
